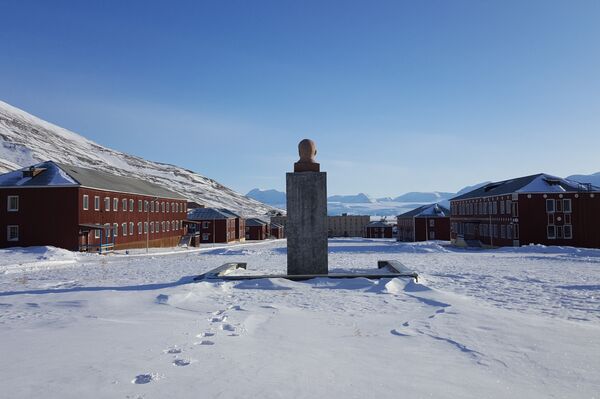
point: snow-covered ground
(510, 323)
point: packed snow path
(507, 323)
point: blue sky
(399, 95)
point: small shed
(256, 229)
(277, 231)
(380, 229)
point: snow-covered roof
(379, 224)
(51, 174)
(208, 214)
(539, 183)
(431, 210)
(255, 222)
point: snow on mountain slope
(270, 197)
(434, 196)
(26, 139)
(360, 198)
(593, 178)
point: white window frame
(140, 206)
(570, 235)
(205, 225)
(124, 229)
(553, 236)
(205, 236)
(10, 228)
(145, 227)
(96, 234)
(124, 204)
(115, 229)
(431, 222)
(96, 202)
(108, 229)
(85, 202)
(107, 204)
(567, 201)
(131, 228)
(131, 205)
(115, 204)
(151, 227)
(140, 228)
(548, 202)
(8, 203)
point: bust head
(307, 150)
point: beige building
(338, 226)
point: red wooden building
(536, 209)
(277, 231)
(240, 224)
(83, 209)
(427, 222)
(257, 229)
(379, 229)
(213, 225)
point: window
(96, 234)
(501, 206)
(151, 227)
(508, 206)
(568, 231)
(495, 207)
(86, 202)
(140, 205)
(177, 207)
(107, 229)
(503, 231)
(205, 225)
(145, 227)
(163, 207)
(107, 204)
(124, 229)
(12, 205)
(96, 203)
(115, 230)
(551, 232)
(157, 205)
(509, 231)
(516, 231)
(558, 206)
(130, 228)
(115, 204)
(168, 226)
(567, 206)
(549, 205)
(12, 233)
(205, 236)
(431, 222)
(515, 209)
(151, 206)
(559, 232)
(140, 228)
(162, 226)
(131, 205)
(124, 204)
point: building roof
(539, 183)
(228, 212)
(276, 225)
(255, 222)
(208, 214)
(53, 174)
(379, 224)
(431, 210)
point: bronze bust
(307, 150)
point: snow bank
(18, 259)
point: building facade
(212, 225)
(277, 231)
(256, 229)
(83, 209)
(537, 209)
(427, 222)
(379, 229)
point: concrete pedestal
(306, 227)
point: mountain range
(26, 140)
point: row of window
(486, 208)
(142, 228)
(565, 219)
(560, 232)
(506, 231)
(129, 204)
(558, 205)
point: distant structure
(346, 225)
(380, 229)
(306, 196)
(277, 231)
(84, 209)
(256, 229)
(427, 222)
(536, 209)
(212, 225)
(240, 224)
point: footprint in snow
(204, 342)
(236, 307)
(173, 350)
(142, 379)
(398, 333)
(181, 362)
(218, 312)
(218, 319)
(405, 324)
(205, 334)
(227, 327)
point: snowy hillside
(26, 139)
(594, 178)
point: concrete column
(306, 227)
